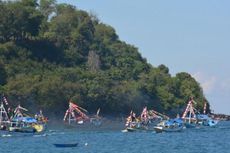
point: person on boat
(133, 117)
(128, 121)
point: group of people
(40, 117)
(136, 122)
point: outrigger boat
(193, 118)
(145, 122)
(24, 123)
(132, 123)
(77, 114)
(19, 122)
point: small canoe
(61, 145)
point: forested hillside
(51, 53)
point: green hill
(51, 53)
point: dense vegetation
(51, 53)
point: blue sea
(204, 140)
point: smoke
(208, 83)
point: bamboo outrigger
(78, 115)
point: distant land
(52, 53)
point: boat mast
(190, 114)
(3, 114)
(189, 109)
(69, 117)
(19, 111)
(205, 107)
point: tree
(47, 7)
(19, 20)
(93, 61)
(3, 75)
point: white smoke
(208, 83)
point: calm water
(209, 140)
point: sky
(186, 36)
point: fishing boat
(171, 125)
(75, 114)
(194, 119)
(189, 115)
(65, 145)
(145, 122)
(19, 121)
(78, 115)
(205, 120)
(132, 123)
(22, 122)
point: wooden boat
(22, 129)
(78, 115)
(145, 122)
(159, 129)
(25, 125)
(130, 129)
(66, 145)
(171, 125)
(20, 121)
(194, 119)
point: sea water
(203, 140)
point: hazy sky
(190, 36)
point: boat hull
(159, 129)
(22, 129)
